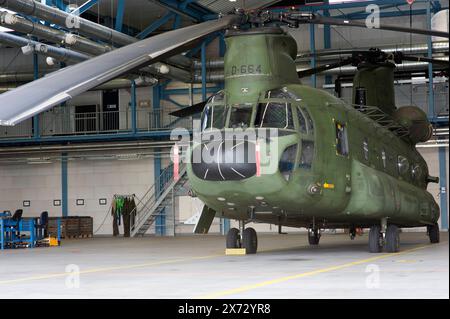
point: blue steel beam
(203, 56)
(431, 112)
(443, 187)
(312, 44)
(64, 186)
(189, 8)
(84, 7)
(119, 15)
(36, 129)
(60, 4)
(155, 25)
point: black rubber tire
(375, 239)
(233, 238)
(250, 241)
(313, 238)
(392, 239)
(433, 233)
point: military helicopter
(336, 165)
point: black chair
(17, 217)
(13, 226)
(42, 226)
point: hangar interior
(114, 141)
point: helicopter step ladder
(159, 196)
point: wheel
(313, 237)
(433, 233)
(250, 240)
(392, 239)
(375, 242)
(233, 240)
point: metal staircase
(159, 196)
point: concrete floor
(195, 267)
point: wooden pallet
(72, 227)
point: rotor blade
(324, 67)
(301, 17)
(425, 59)
(191, 110)
(40, 95)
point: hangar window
(402, 164)
(274, 114)
(366, 149)
(307, 156)
(341, 139)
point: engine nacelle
(416, 120)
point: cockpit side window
(274, 115)
(309, 121)
(301, 121)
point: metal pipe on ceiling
(83, 26)
(414, 49)
(61, 54)
(20, 24)
(66, 20)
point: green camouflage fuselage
(356, 187)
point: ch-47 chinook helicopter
(337, 165)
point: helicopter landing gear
(246, 238)
(352, 233)
(384, 235)
(233, 238)
(433, 233)
(375, 239)
(313, 236)
(392, 239)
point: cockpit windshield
(215, 112)
(241, 115)
(274, 115)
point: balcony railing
(66, 122)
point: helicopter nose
(224, 160)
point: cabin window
(241, 115)
(416, 172)
(214, 116)
(402, 164)
(274, 114)
(287, 161)
(341, 139)
(366, 149)
(307, 156)
(383, 158)
(301, 121)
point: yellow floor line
(305, 274)
(106, 269)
